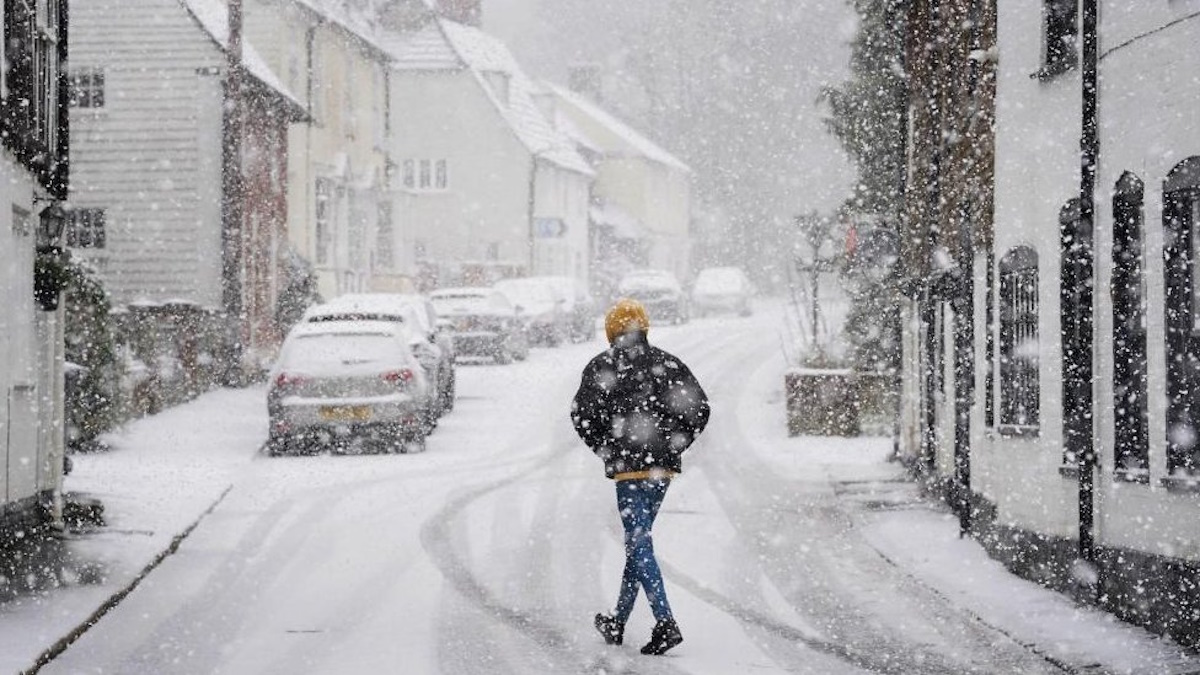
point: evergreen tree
(90, 341)
(869, 109)
(869, 119)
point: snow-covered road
(490, 552)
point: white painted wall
(1148, 124)
(27, 371)
(1037, 171)
(446, 115)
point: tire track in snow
(437, 539)
(866, 642)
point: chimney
(468, 12)
(584, 79)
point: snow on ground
(922, 538)
(489, 552)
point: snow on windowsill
(1018, 431)
(1182, 483)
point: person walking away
(638, 408)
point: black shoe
(610, 629)
(664, 636)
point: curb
(55, 650)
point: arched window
(1019, 393)
(1131, 442)
(1181, 213)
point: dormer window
(1060, 33)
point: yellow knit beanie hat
(625, 315)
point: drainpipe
(1089, 157)
(232, 236)
(533, 167)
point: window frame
(1060, 38)
(87, 85)
(87, 228)
(1019, 404)
(1131, 425)
(1180, 219)
(323, 196)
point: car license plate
(345, 413)
(466, 324)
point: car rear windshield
(334, 349)
(358, 316)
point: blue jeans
(638, 502)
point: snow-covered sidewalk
(160, 476)
(922, 539)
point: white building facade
(33, 179)
(484, 185)
(634, 175)
(339, 207)
(1023, 469)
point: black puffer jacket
(638, 407)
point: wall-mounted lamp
(50, 265)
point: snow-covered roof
(445, 45)
(635, 141)
(357, 21)
(213, 17)
(423, 49)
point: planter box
(821, 402)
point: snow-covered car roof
(472, 300)
(407, 308)
(721, 279)
(349, 327)
(649, 279)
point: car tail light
(399, 377)
(288, 380)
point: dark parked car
(660, 292)
(483, 322)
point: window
(324, 215)
(439, 179)
(384, 255)
(86, 228)
(424, 176)
(1060, 30)
(1019, 394)
(1131, 442)
(31, 111)
(410, 173)
(1181, 215)
(87, 88)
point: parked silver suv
(346, 384)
